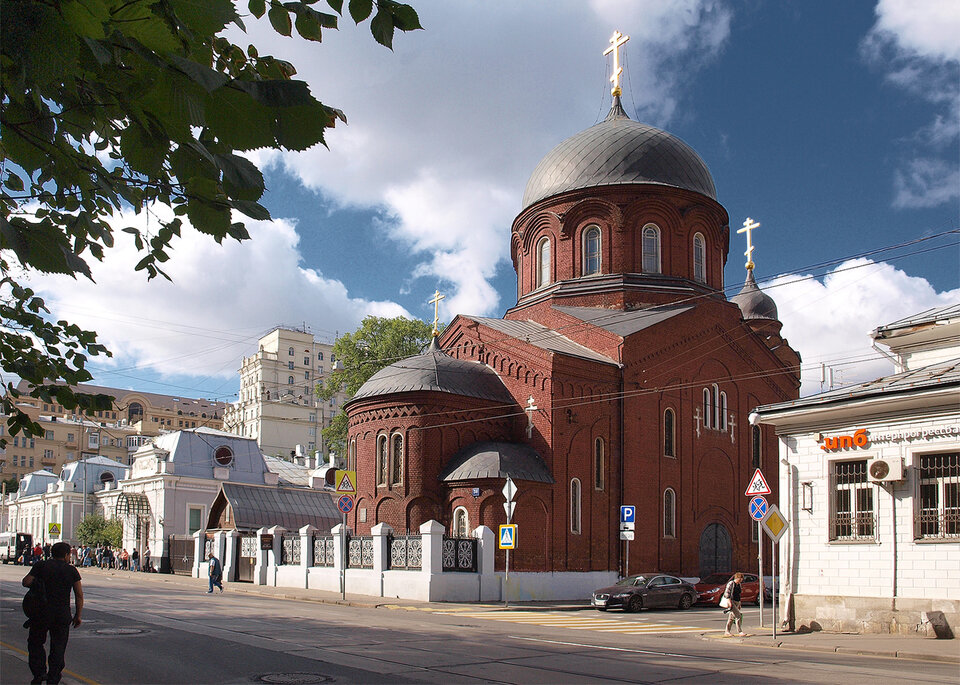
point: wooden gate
(180, 554)
(716, 553)
(247, 552)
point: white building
(871, 486)
(278, 405)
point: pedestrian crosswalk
(575, 620)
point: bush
(96, 530)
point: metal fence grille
(360, 552)
(459, 554)
(323, 550)
(290, 550)
(406, 552)
(853, 513)
(937, 508)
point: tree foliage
(378, 342)
(111, 105)
(94, 529)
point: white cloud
(828, 320)
(220, 300)
(926, 183)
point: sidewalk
(893, 646)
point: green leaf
(208, 78)
(13, 182)
(280, 19)
(257, 7)
(336, 6)
(299, 128)
(206, 18)
(242, 179)
(251, 209)
(360, 9)
(238, 121)
(382, 28)
(277, 92)
(144, 152)
(86, 18)
(405, 18)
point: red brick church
(622, 376)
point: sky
(836, 125)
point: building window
(223, 455)
(396, 461)
(651, 250)
(106, 477)
(290, 365)
(352, 456)
(937, 502)
(306, 375)
(707, 408)
(383, 458)
(853, 516)
(543, 262)
(48, 454)
(598, 465)
(575, 506)
(669, 433)
(289, 380)
(591, 251)
(196, 520)
(757, 446)
(306, 361)
(699, 259)
(721, 411)
(93, 441)
(320, 356)
(48, 435)
(290, 351)
(669, 513)
(461, 523)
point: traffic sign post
(775, 525)
(628, 519)
(509, 491)
(345, 504)
(345, 484)
(758, 508)
(758, 485)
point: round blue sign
(345, 504)
(758, 508)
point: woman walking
(732, 592)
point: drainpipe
(883, 353)
(623, 456)
(786, 574)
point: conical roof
(753, 302)
(618, 151)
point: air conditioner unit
(885, 470)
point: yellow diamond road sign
(345, 482)
(774, 523)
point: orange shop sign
(845, 442)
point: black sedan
(649, 590)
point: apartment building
(278, 405)
(114, 434)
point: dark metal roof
(942, 375)
(256, 506)
(928, 316)
(496, 460)
(753, 302)
(617, 151)
(436, 371)
(540, 336)
(621, 322)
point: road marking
(65, 671)
(606, 625)
(638, 651)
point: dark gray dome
(617, 151)
(436, 371)
(753, 302)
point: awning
(132, 504)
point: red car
(711, 588)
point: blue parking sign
(628, 514)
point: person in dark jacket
(732, 592)
(59, 578)
(216, 573)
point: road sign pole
(627, 563)
(343, 557)
(760, 564)
(775, 565)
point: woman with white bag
(731, 601)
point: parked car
(711, 588)
(645, 590)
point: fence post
(199, 540)
(340, 554)
(381, 540)
(260, 568)
(489, 584)
(432, 535)
(306, 552)
(273, 555)
(231, 539)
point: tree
(109, 105)
(12, 483)
(378, 342)
(94, 529)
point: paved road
(149, 632)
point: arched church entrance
(716, 552)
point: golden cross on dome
(616, 40)
(748, 227)
(435, 301)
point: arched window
(591, 251)
(757, 446)
(707, 408)
(598, 465)
(383, 458)
(396, 460)
(289, 380)
(320, 356)
(722, 412)
(106, 477)
(669, 513)
(575, 506)
(461, 523)
(543, 262)
(669, 433)
(651, 249)
(699, 259)
(352, 456)
(290, 351)
(135, 412)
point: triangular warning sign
(345, 483)
(758, 485)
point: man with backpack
(51, 612)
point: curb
(839, 649)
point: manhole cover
(293, 678)
(120, 631)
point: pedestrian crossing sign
(54, 530)
(345, 482)
(508, 536)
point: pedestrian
(124, 560)
(135, 560)
(146, 559)
(732, 592)
(59, 578)
(46, 550)
(73, 556)
(215, 572)
(37, 554)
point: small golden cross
(616, 41)
(435, 301)
(748, 227)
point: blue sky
(835, 125)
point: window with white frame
(937, 501)
(352, 456)
(383, 458)
(669, 433)
(852, 498)
(575, 506)
(461, 523)
(707, 408)
(396, 460)
(721, 421)
(543, 262)
(195, 522)
(591, 251)
(650, 248)
(598, 463)
(290, 351)
(669, 513)
(699, 259)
